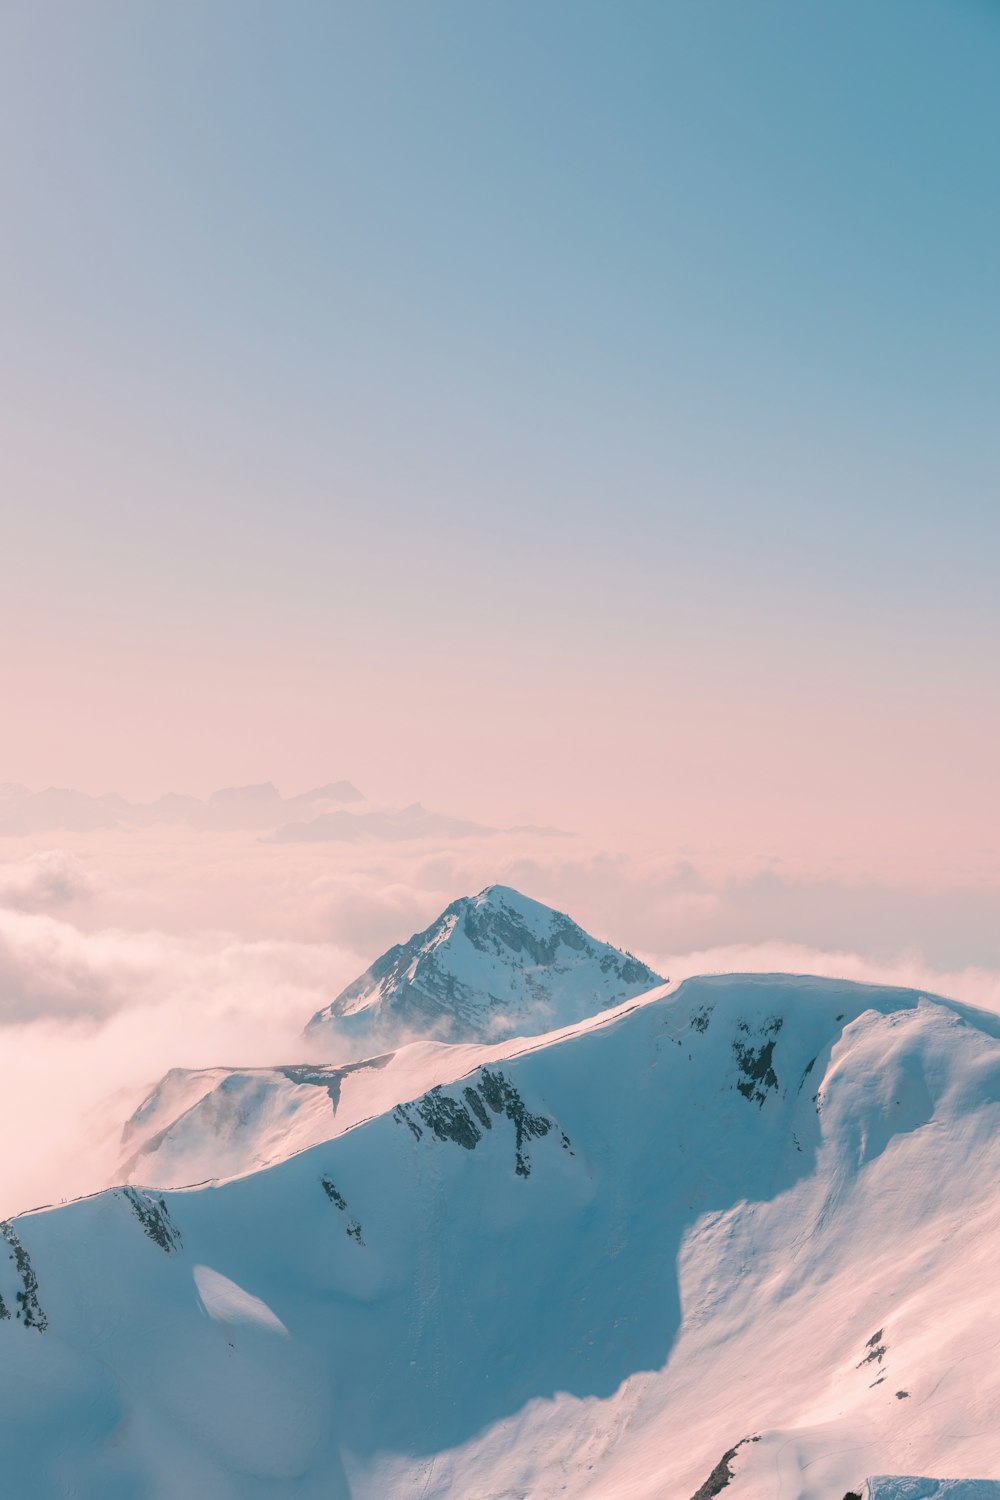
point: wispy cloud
(403, 825)
(63, 809)
(411, 824)
(43, 881)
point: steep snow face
(746, 1230)
(492, 966)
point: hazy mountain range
(260, 806)
(317, 816)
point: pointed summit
(492, 966)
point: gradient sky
(576, 412)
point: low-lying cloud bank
(43, 881)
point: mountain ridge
(213, 1123)
(751, 1205)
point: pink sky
(604, 441)
(742, 753)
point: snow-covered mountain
(742, 1236)
(491, 966)
(494, 965)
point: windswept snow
(220, 1122)
(757, 1217)
(226, 1302)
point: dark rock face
(478, 1108)
(155, 1219)
(494, 929)
(353, 1228)
(29, 1310)
(876, 1350)
(448, 1118)
(465, 1123)
(337, 1199)
(722, 1473)
(501, 1095)
(754, 1058)
(329, 1077)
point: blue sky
(649, 349)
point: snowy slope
(755, 1219)
(492, 966)
(206, 1123)
(219, 1122)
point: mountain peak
(506, 896)
(491, 966)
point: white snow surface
(491, 967)
(756, 1213)
(210, 1123)
(226, 1302)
